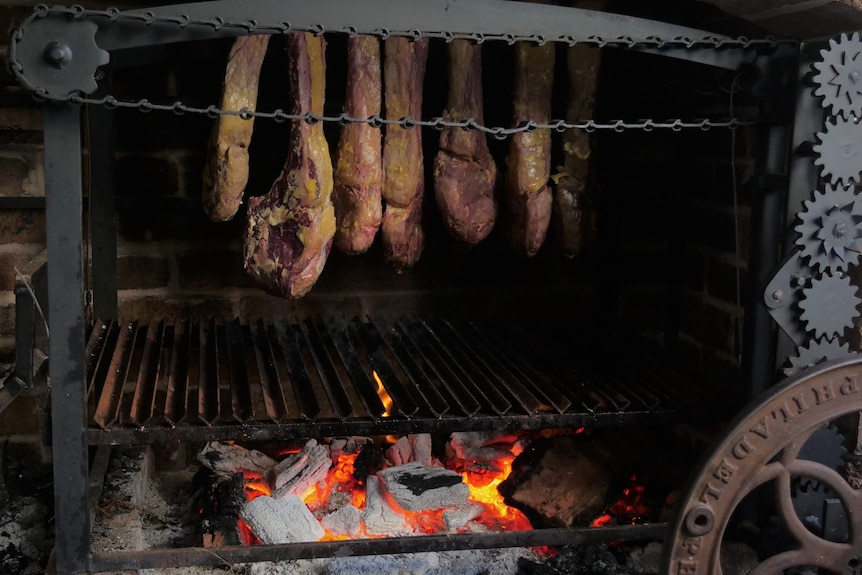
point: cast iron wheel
(761, 450)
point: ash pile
(26, 513)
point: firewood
(569, 483)
(298, 472)
(285, 520)
(417, 487)
(228, 458)
(379, 517)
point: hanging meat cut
(574, 201)
(465, 176)
(528, 167)
(226, 172)
(289, 231)
(358, 168)
(404, 173)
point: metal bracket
(783, 294)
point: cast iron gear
(825, 446)
(829, 305)
(839, 76)
(840, 151)
(59, 60)
(828, 229)
(816, 351)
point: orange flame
(383, 395)
(483, 489)
(255, 484)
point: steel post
(63, 209)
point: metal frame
(65, 234)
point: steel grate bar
(601, 377)
(374, 348)
(241, 382)
(480, 383)
(145, 392)
(96, 343)
(448, 379)
(416, 377)
(541, 385)
(107, 343)
(157, 408)
(206, 375)
(333, 384)
(108, 405)
(273, 394)
(176, 396)
(559, 356)
(366, 388)
(521, 345)
(223, 385)
(302, 387)
(253, 373)
(194, 374)
(495, 368)
(209, 399)
(131, 379)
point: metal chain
(438, 123)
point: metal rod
(63, 211)
(164, 558)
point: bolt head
(57, 54)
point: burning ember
(410, 493)
(629, 509)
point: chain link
(438, 123)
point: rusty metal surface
(205, 379)
(761, 452)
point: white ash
(346, 446)
(344, 521)
(410, 448)
(466, 562)
(379, 517)
(337, 499)
(484, 446)
(417, 487)
(645, 560)
(285, 520)
(298, 472)
(227, 458)
(25, 538)
(454, 519)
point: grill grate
(215, 378)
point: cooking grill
(193, 379)
(223, 379)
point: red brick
(9, 260)
(25, 415)
(22, 226)
(142, 272)
(708, 324)
(175, 305)
(7, 314)
(218, 268)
